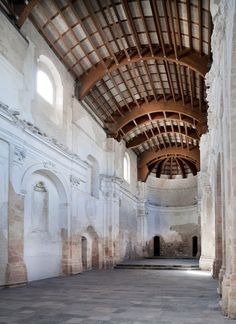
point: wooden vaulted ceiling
(140, 66)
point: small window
(44, 86)
(126, 167)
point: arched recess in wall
(49, 87)
(94, 177)
(218, 222)
(90, 249)
(45, 225)
(126, 167)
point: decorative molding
(19, 154)
(75, 181)
(40, 187)
(49, 165)
(14, 117)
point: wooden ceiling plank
(118, 90)
(181, 166)
(189, 23)
(177, 80)
(128, 87)
(191, 60)
(99, 105)
(181, 83)
(131, 26)
(113, 99)
(145, 26)
(200, 26)
(159, 167)
(74, 34)
(134, 80)
(150, 80)
(160, 80)
(164, 3)
(140, 138)
(160, 106)
(210, 28)
(167, 69)
(121, 28)
(158, 25)
(145, 91)
(172, 27)
(176, 6)
(99, 29)
(191, 88)
(87, 34)
(151, 156)
(108, 24)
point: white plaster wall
(172, 213)
(4, 178)
(65, 149)
(171, 193)
(42, 249)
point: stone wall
(63, 152)
(173, 216)
(217, 147)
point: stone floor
(115, 296)
(167, 262)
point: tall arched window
(49, 87)
(126, 167)
(44, 86)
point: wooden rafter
(134, 78)
(150, 156)
(160, 106)
(190, 60)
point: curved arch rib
(164, 107)
(142, 138)
(191, 60)
(151, 156)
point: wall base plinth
(206, 263)
(232, 297)
(225, 292)
(16, 274)
(70, 267)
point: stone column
(16, 272)
(111, 196)
(72, 258)
(207, 230)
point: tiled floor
(116, 296)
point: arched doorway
(194, 246)
(84, 252)
(157, 247)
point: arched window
(49, 87)
(126, 168)
(44, 86)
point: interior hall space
(118, 161)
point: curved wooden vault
(140, 66)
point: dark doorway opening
(195, 245)
(157, 246)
